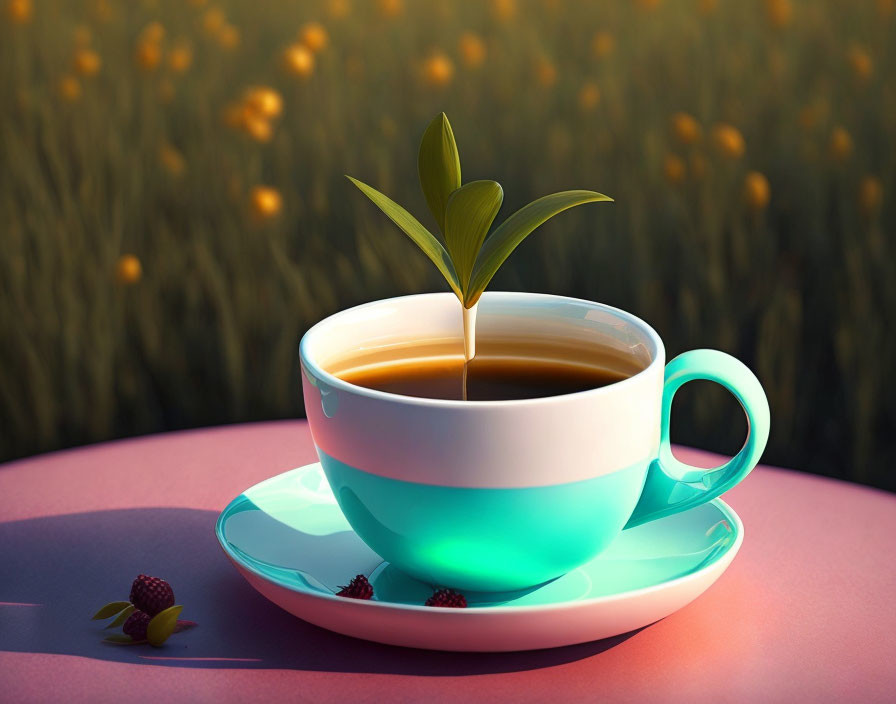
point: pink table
(807, 611)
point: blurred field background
(173, 212)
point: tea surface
(488, 378)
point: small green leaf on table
(162, 625)
(123, 616)
(110, 609)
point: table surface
(805, 612)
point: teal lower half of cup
(485, 539)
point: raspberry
(151, 594)
(447, 598)
(358, 588)
(136, 625)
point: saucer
(289, 539)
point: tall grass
(159, 161)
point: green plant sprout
(464, 213)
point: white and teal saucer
(291, 542)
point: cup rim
(657, 356)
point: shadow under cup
(485, 495)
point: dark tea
(499, 375)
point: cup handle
(673, 486)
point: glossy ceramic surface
(289, 539)
(484, 444)
(503, 495)
(483, 539)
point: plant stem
(469, 315)
(470, 332)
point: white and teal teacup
(505, 495)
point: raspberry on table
(151, 594)
(136, 625)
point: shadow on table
(57, 571)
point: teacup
(506, 495)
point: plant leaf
(110, 609)
(515, 229)
(422, 237)
(470, 212)
(121, 639)
(123, 616)
(162, 625)
(439, 166)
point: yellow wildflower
(103, 10)
(757, 191)
(504, 10)
(472, 50)
(337, 9)
(264, 101)
(180, 57)
(128, 270)
(314, 36)
(265, 202)
(87, 62)
(148, 55)
(153, 32)
(545, 72)
(674, 169)
(707, 7)
(298, 59)
(228, 37)
(647, 5)
(390, 8)
(213, 19)
(685, 128)
(885, 8)
(438, 70)
(234, 115)
(871, 195)
(779, 13)
(172, 160)
(19, 11)
(257, 127)
(860, 62)
(603, 44)
(69, 88)
(840, 145)
(589, 96)
(729, 141)
(254, 113)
